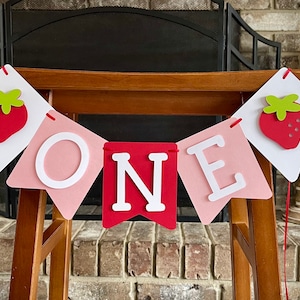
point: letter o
(39, 161)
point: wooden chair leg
(264, 242)
(256, 237)
(32, 246)
(240, 264)
(60, 261)
(28, 245)
(263, 235)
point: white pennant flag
(271, 122)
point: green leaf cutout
(9, 99)
(281, 106)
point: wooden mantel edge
(246, 81)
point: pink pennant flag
(63, 158)
(218, 164)
(140, 179)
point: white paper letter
(123, 166)
(208, 169)
(52, 140)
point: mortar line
(182, 251)
(125, 252)
(154, 250)
(98, 249)
(212, 251)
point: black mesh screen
(116, 40)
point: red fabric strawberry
(13, 114)
(280, 120)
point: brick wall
(144, 261)
(141, 260)
(278, 20)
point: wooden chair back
(253, 223)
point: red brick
(222, 252)
(85, 249)
(140, 249)
(57, 4)
(112, 250)
(197, 251)
(4, 288)
(293, 290)
(291, 255)
(94, 289)
(226, 291)
(168, 253)
(7, 237)
(182, 291)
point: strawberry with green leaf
(280, 120)
(13, 114)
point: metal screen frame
(231, 49)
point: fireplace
(131, 39)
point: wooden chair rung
(241, 233)
(52, 235)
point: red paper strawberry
(280, 121)
(13, 114)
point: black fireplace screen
(131, 39)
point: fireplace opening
(130, 39)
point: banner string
(236, 122)
(286, 73)
(287, 206)
(50, 116)
(4, 70)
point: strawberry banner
(215, 164)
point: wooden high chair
(253, 223)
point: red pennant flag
(139, 179)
